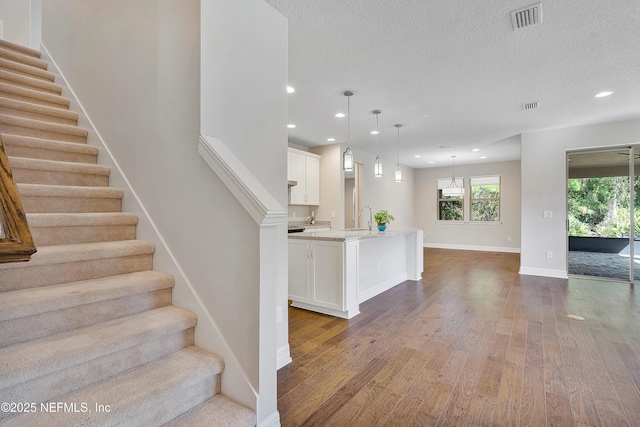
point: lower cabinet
(315, 274)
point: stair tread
(22, 57)
(59, 254)
(219, 411)
(48, 144)
(35, 83)
(35, 94)
(33, 301)
(37, 108)
(131, 393)
(32, 359)
(43, 125)
(68, 191)
(58, 166)
(81, 219)
(20, 48)
(27, 69)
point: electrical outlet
(508, 238)
(549, 254)
(333, 214)
(548, 214)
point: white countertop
(345, 235)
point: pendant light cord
(377, 136)
(398, 126)
(348, 121)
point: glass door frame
(632, 150)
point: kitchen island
(332, 272)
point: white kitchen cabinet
(304, 168)
(299, 270)
(335, 271)
(316, 275)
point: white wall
(238, 105)
(468, 235)
(379, 193)
(385, 193)
(544, 181)
(16, 17)
(135, 67)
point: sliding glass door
(602, 207)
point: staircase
(88, 335)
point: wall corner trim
(258, 202)
(545, 272)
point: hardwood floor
(472, 344)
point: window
(451, 199)
(485, 198)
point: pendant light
(453, 189)
(347, 156)
(398, 167)
(377, 164)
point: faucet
(370, 215)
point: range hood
(291, 183)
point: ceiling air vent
(527, 16)
(530, 105)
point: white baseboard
(472, 247)
(545, 272)
(380, 288)
(283, 357)
(272, 420)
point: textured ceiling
(455, 72)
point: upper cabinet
(304, 168)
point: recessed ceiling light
(418, 156)
(290, 89)
(291, 126)
(340, 115)
(603, 94)
(331, 139)
(374, 132)
(476, 149)
(431, 163)
(483, 157)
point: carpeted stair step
(50, 367)
(70, 228)
(38, 312)
(22, 57)
(29, 82)
(37, 198)
(40, 129)
(5, 44)
(52, 265)
(150, 395)
(47, 149)
(26, 70)
(13, 107)
(219, 411)
(33, 96)
(37, 171)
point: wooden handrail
(16, 243)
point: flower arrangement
(383, 217)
